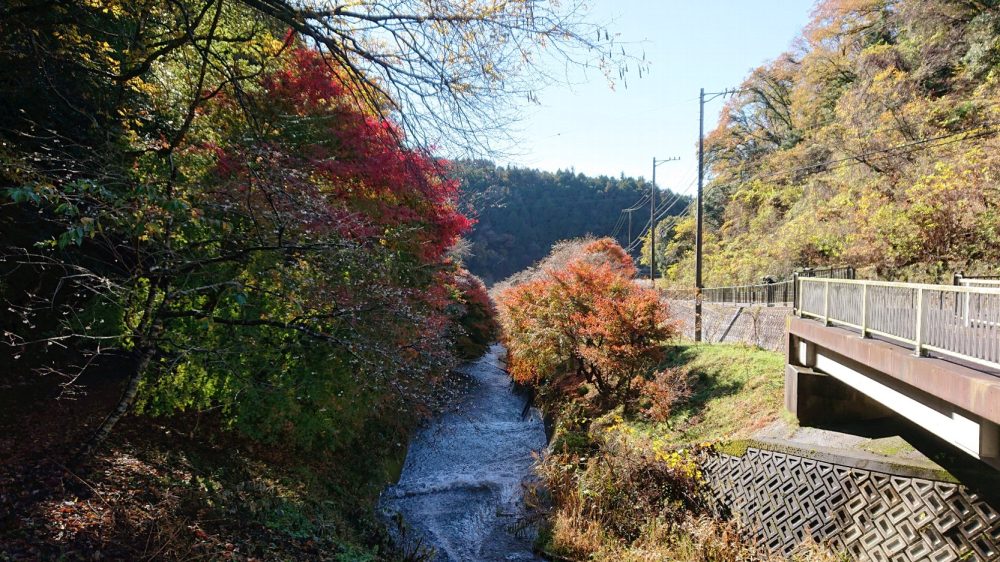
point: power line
(638, 204)
(622, 220)
(652, 217)
(618, 225)
(853, 160)
(677, 196)
(661, 212)
(625, 218)
(674, 219)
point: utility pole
(652, 221)
(700, 219)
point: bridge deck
(973, 388)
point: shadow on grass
(706, 385)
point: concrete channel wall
(763, 326)
(868, 508)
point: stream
(461, 491)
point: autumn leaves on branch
(581, 318)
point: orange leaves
(618, 324)
(586, 320)
(532, 331)
(614, 253)
(664, 390)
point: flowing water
(463, 484)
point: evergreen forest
(520, 212)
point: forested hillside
(226, 268)
(522, 212)
(870, 143)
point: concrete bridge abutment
(833, 375)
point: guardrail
(970, 280)
(776, 293)
(767, 294)
(960, 321)
(843, 272)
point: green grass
(736, 391)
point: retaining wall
(763, 326)
(867, 508)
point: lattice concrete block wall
(762, 326)
(868, 514)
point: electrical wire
(919, 145)
(663, 211)
(660, 212)
(618, 225)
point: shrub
(615, 493)
(633, 498)
(663, 391)
(584, 321)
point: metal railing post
(826, 302)
(864, 310)
(965, 308)
(795, 293)
(919, 336)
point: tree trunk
(124, 404)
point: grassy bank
(735, 390)
(625, 487)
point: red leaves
(477, 317)
(334, 169)
(305, 82)
(312, 170)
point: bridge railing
(984, 282)
(962, 321)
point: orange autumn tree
(584, 320)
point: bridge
(860, 350)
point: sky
(689, 44)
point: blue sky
(690, 44)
